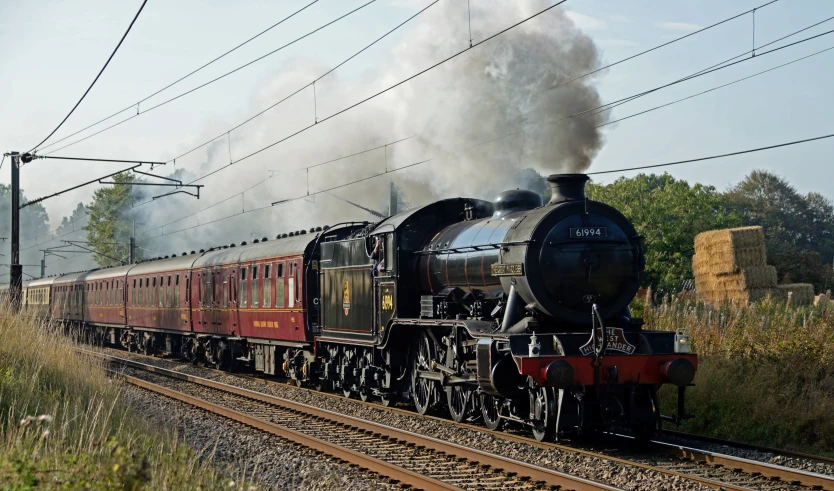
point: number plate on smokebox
(588, 233)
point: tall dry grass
(766, 373)
(64, 423)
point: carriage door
(213, 291)
(385, 286)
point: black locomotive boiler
(512, 311)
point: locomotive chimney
(567, 187)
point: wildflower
(44, 435)
(45, 418)
(26, 421)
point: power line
(679, 162)
(96, 79)
(714, 68)
(281, 202)
(309, 84)
(229, 198)
(183, 94)
(136, 104)
(383, 91)
(664, 44)
(715, 88)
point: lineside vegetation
(766, 373)
(65, 425)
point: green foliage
(76, 221)
(669, 213)
(799, 230)
(111, 221)
(63, 423)
(34, 220)
(766, 372)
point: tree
(76, 221)
(111, 221)
(799, 230)
(669, 213)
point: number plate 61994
(588, 233)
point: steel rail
(748, 446)
(786, 474)
(372, 464)
(536, 473)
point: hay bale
(753, 277)
(729, 250)
(731, 237)
(822, 300)
(801, 293)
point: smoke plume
(481, 118)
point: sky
(50, 50)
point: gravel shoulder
(250, 455)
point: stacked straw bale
(731, 265)
(801, 293)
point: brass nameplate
(516, 269)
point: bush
(63, 424)
(766, 372)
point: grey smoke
(502, 87)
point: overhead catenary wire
(311, 83)
(235, 70)
(711, 69)
(728, 19)
(381, 92)
(714, 88)
(712, 157)
(189, 74)
(94, 80)
(289, 200)
(307, 168)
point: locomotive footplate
(642, 357)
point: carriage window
(226, 293)
(177, 291)
(279, 286)
(267, 285)
(243, 296)
(160, 297)
(211, 287)
(255, 297)
(147, 297)
(200, 289)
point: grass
(766, 373)
(64, 423)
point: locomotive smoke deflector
(567, 187)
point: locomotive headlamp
(682, 341)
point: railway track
(711, 469)
(409, 458)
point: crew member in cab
(378, 256)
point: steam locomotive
(511, 311)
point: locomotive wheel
(364, 394)
(459, 400)
(491, 409)
(423, 391)
(346, 392)
(544, 413)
